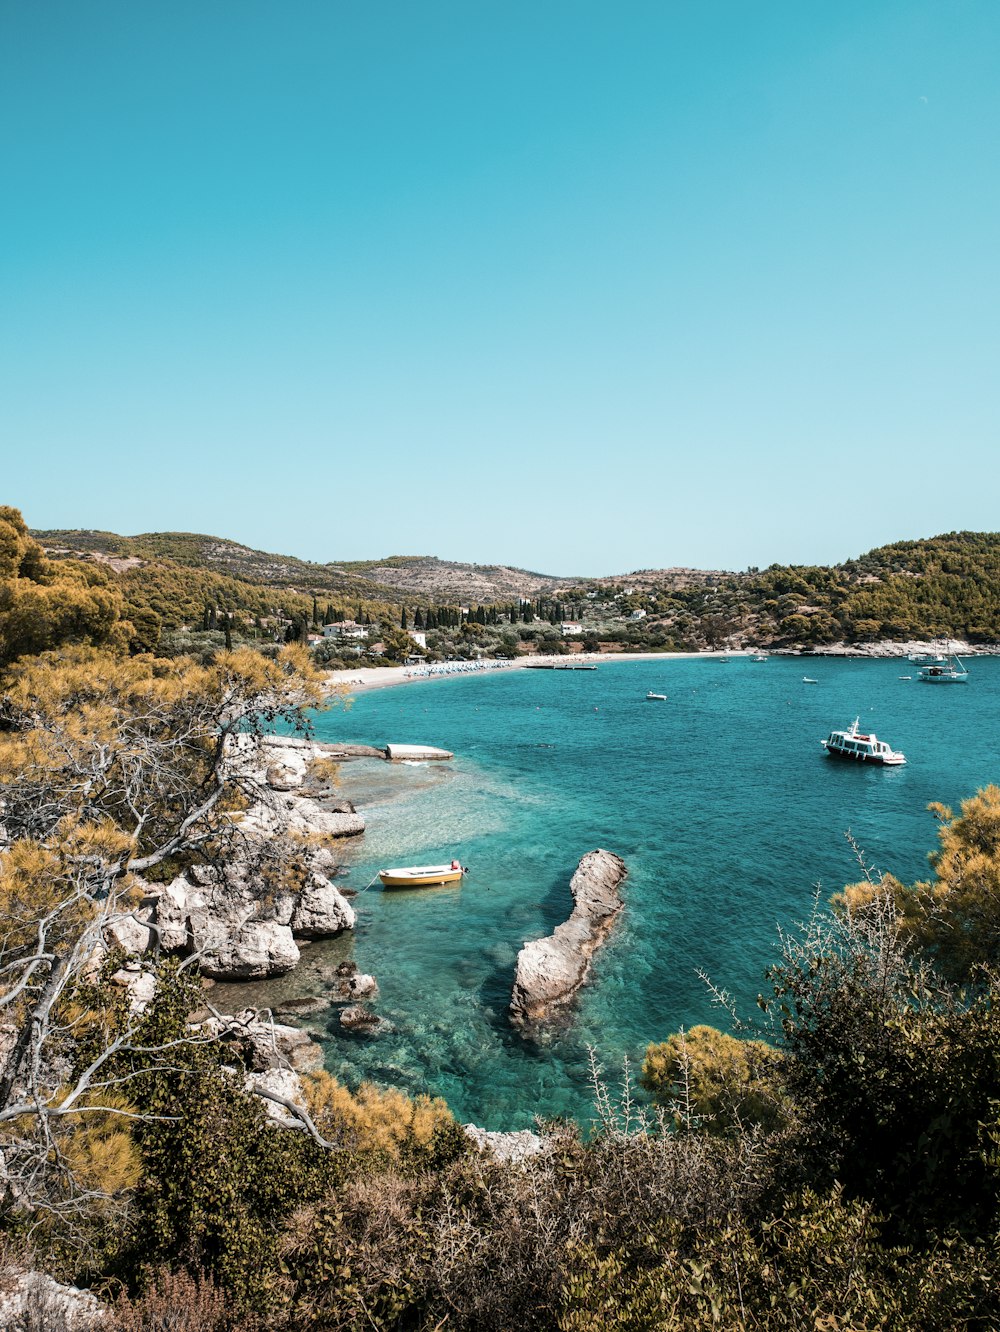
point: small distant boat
(725, 660)
(658, 698)
(807, 679)
(929, 658)
(906, 677)
(950, 671)
(852, 744)
(760, 656)
(422, 876)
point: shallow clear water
(721, 801)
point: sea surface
(727, 811)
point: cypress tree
(402, 619)
(213, 618)
(229, 633)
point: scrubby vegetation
(832, 1163)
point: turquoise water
(721, 801)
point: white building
(570, 627)
(419, 637)
(345, 629)
(637, 615)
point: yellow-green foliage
(955, 916)
(43, 604)
(716, 1078)
(369, 1120)
(96, 1145)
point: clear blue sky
(579, 286)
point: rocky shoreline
(228, 912)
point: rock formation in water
(551, 970)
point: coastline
(382, 677)
(363, 678)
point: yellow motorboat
(421, 876)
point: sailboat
(949, 671)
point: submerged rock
(360, 1020)
(551, 970)
(303, 1006)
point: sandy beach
(383, 677)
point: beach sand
(363, 678)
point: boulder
(140, 985)
(551, 970)
(280, 1082)
(131, 932)
(284, 777)
(321, 909)
(232, 941)
(361, 986)
(264, 1044)
(349, 984)
(360, 1020)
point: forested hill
(944, 586)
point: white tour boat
(852, 744)
(655, 698)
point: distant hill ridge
(419, 576)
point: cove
(724, 806)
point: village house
(345, 629)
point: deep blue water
(721, 801)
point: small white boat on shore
(655, 698)
(852, 744)
(422, 876)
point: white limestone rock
(34, 1300)
(511, 1148)
(140, 985)
(551, 970)
(321, 909)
